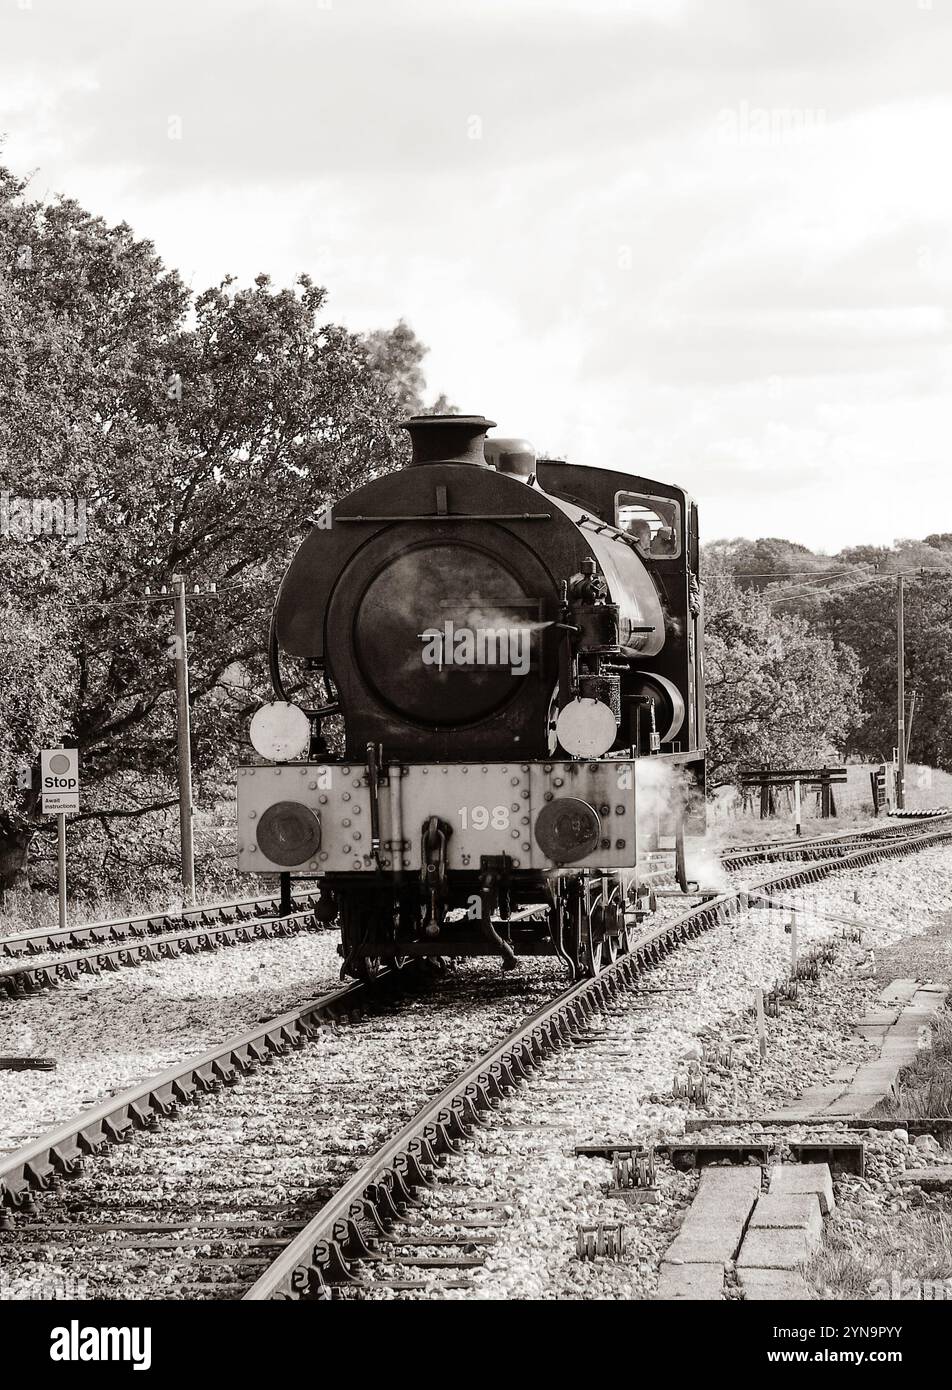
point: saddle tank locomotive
(514, 649)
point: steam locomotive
(514, 649)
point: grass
(26, 909)
(867, 1259)
(924, 1089)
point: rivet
(547, 796)
(312, 786)
(313, 864)
(604, 810)
(445, 771)
(547, 768)
(345, 796)
(323, 854)
(514, 806)
(557, 781)
(252, 814)
(516, 862)
(323, 799)
(525, 820)
(357, 782)
(525, 796)
(277, 772)
(357, 864)
(345, 824)
(525, 767)
(619, 844)
(619, 810)
(514, 834)
(526, 847)
(356, 810)
(513, 781)
(465, 770)
(345, 771)
(346, 849)
(485, 769)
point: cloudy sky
(706, 240)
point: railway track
(317, 1201)
(736, 856)
(42, 959)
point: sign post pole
(61, 866)
(59, 795)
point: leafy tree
(777, 692)
(865, 618)
(198, 446)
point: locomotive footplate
(312, 819)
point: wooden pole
(900, 697)
(796, 805)
(184, 739)
(793, 944)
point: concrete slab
(800, 1211)
(762, 1285)
(899, 991)
(938, 1178)
(778, 1249)
(706, 1244)
(701, 1282)
(878, 1018)
(742, 1182)
(793, 1179)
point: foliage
(777, 692)
(200, 437)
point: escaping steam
(664, 794)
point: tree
(200, 448)
(865, 618)
(777, 692)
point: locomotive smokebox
(448, 438)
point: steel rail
(899, 827)
(29, 977)
(349, 1229)
(38, 942)
(60, 1152)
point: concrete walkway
(768, 1235)
(901, 1025)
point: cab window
(654, 523)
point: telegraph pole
(179, 650)
(900, 699)
(184, 737)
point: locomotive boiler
(513, 649)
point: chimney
(448, 438)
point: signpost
(59, 795)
